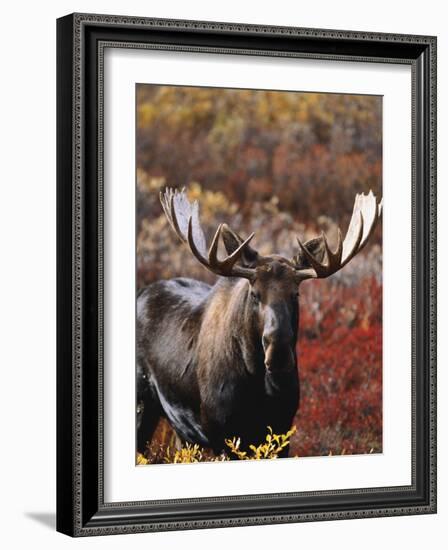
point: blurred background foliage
(311, 151)
(279, 164)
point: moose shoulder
(219, 361)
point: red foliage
(340, 364)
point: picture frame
(81, 43)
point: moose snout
(279, 358)
(278, 347)
(276, 339)
(277, 330)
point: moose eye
(255, 295)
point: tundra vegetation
(281, 165)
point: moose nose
(277, 340)
(279, 358)
(277, 330)
(278, 337)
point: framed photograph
(246, 274)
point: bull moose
(219, 361)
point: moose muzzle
(278, 340)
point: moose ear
(316, 247)
(232, 241)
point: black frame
(81, 39)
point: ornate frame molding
(81, 42)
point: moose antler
(366, 212)
(183, 217)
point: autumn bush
(340, 365)
(279, 165)
(188, 453)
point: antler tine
(374, 213)
(192, 244)
(183, 216)
(353, 243)
(167, 201)
(173, 215)
(230, 261)
(314, 263)
(366, 212)
(226, 267)
(334, 258)
(213, 250)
